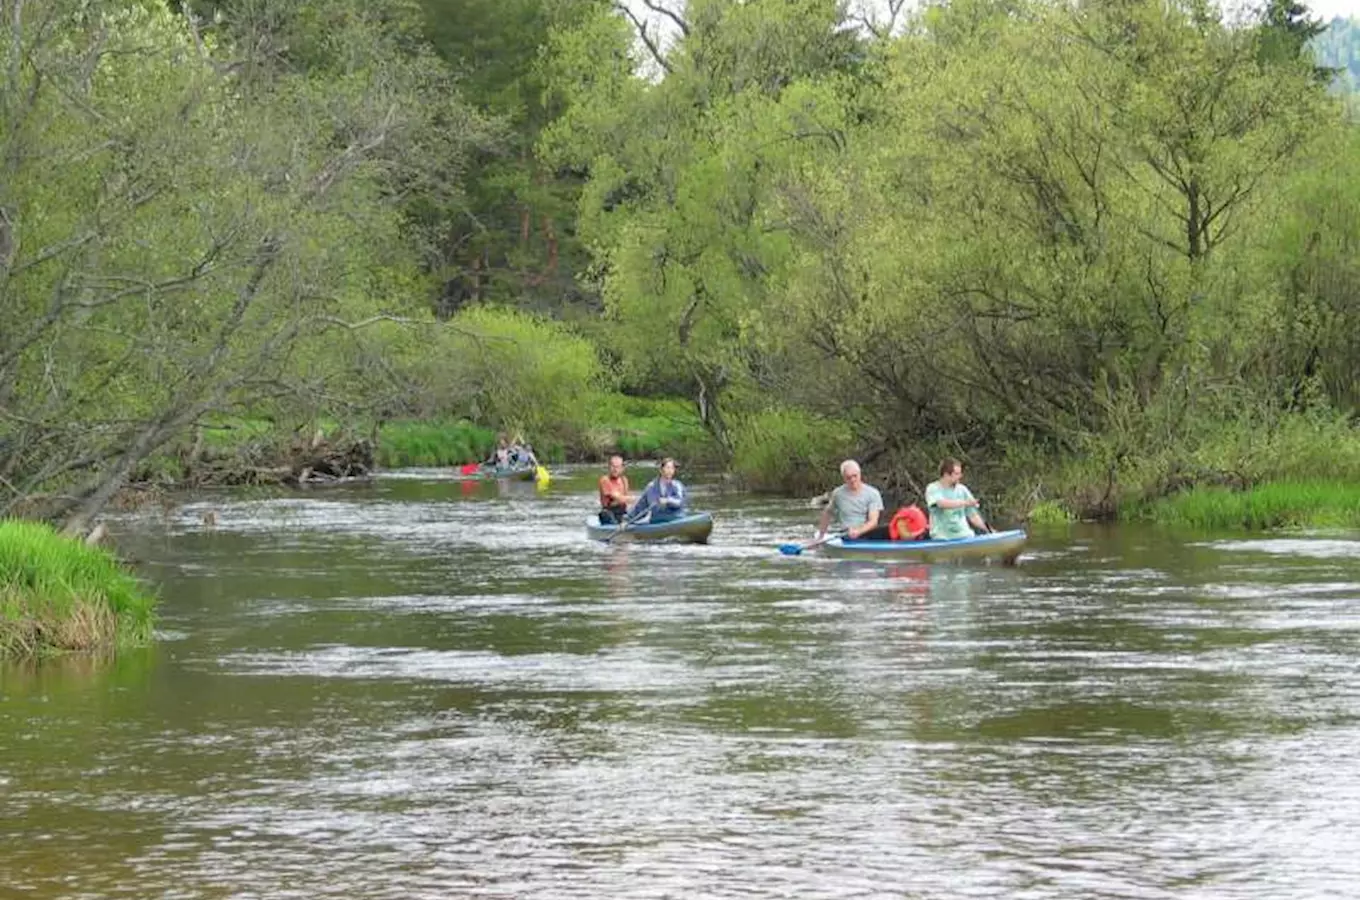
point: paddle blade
(790, 549)
(469, 469)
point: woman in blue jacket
(664, 498)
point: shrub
(789, 450)
(433, 444)
(513, 372)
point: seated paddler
(663, 499)
(614, 495)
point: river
(420, 688)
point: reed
(425, 443)
(648, 427)
(57, 594)
(1283, 504)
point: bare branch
(641, 28)
(672, 15)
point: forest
(1104, 251)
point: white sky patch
(658, 16)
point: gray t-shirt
(852, 510)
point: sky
(1330, 9)
(1326, 10)
(647, 11)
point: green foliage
(1310, 270)
(641, 428)
(509, 238)
(1091, 237)
(433, 444)
(231, 431)
(58, 594)
(977, 232)
(1050, 512)
(789, 450)
(512, 372)
(191, 217)
(1290, 504)
(1123, 473)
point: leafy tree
(188, 218)
(675, 208)
(510, 238)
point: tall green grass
(58, 594)
(648, 427)
(433, 444)
(1277, 458)
(1285, 504)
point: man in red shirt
(614, 496)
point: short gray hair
(849, 466)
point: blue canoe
(691, 529)
(1003, 545)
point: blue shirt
(660, 495)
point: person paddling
(500, 457)
(856, 505)
(614, 496)
(664, 498)
(952, 507)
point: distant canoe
(691, 529)
(996, 545)
(490, 473)
(514, 473)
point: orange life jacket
(907, 524)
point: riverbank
(259, 450)
(57, 594)
(1295, 471)
(1298, 472)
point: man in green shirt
(952, 506)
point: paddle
(795, 549)
(623, 526)
(469, 469)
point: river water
(424, 689)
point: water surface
(421, 688)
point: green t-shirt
(948, 524)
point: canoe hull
(514, 473)
(691, 529)
(497, 473)
(997, 545)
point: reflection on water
(427, 687)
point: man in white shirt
(856, 505)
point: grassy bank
(403, 444)
(1315, 504)
(1288, 470)
(57, 594)
(646, 428)
(639, 428)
